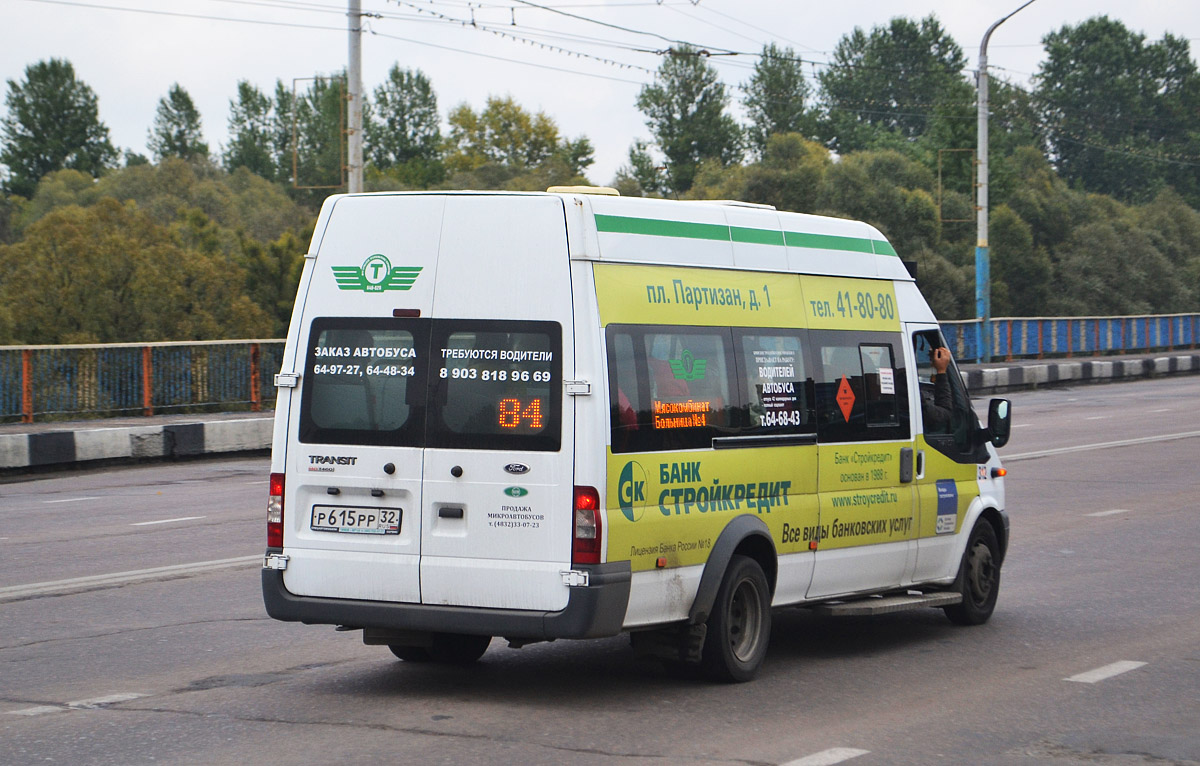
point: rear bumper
(591, 612)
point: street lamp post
(983, 276)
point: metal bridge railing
(127, 378)
(1039, 337)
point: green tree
(251, 140)
(776, 97)
(176, 131)
(402, 123)
(685, 111)
(892, 81)
(1120, 114)
(52, 123)
(272, 274)
(643, 175)
(108, 273)
(309, 134)
(1022, 274)
(503, 133)
(892, 192)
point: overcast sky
(131, 51)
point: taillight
(275, 512)
(589, 533)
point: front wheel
(739, 627)
(978, 578)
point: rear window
(464, 384)
(363, 382)
(496, 385)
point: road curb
(78, 443)
(1016, 376)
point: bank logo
(376, 275)
(688, 367)
(631, 491)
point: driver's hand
(941, 359)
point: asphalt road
(1092, 657)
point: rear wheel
(410, 653)
(458, 648)
(739, 627)
(978, 578)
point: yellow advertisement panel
(673, 505)
(836, 303)
(691, 296)
(863, 501)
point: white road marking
(77, 584)
(39, 710)
(1100, 445)
(1113, 512)
(1023, 425)
(70, 500)
(88, 704)
(1097, 417)
(110, 699)
(1108, 671)
(828, 757)
(166, 521)
(1166, 409)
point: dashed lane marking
(80, 584)
(87, 704)
(39, 710)
(1113, 512)
(70, 500)
(110, 699)
(828, 757)
(1100, 445)
(166, 521)
(1106, 672)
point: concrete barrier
(81, 443)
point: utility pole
(983, 275)
(354, 115)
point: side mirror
(999, 425)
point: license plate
(356, 521)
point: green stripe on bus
(654, 227)
(618, 224)
(827, 242)
(756, 236)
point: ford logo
(517, 468)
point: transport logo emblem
(516, 491)
(517, 468)
(376, 275)
(631, 491)
(688, 367)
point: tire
(410, 653)
(739, 627)
(978, 578)
(458, 648)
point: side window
(861, 387)
(778, 390)
(948, 421)
(670, 387)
